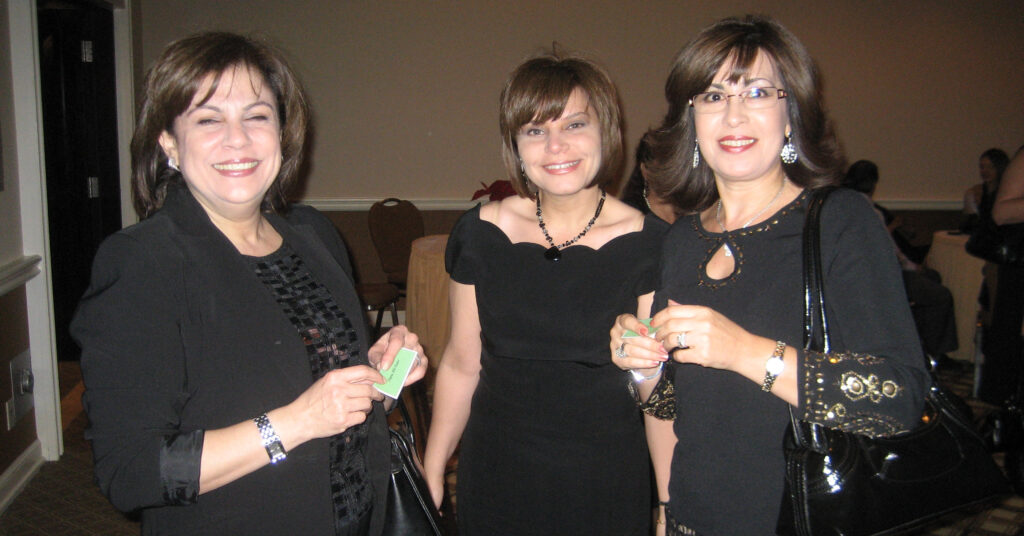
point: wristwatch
(271, 441)
(774, 366)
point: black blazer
(179, 335)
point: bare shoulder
(515, 216)
(621, 218)
(510, 208)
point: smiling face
(739, 143)
(229, 147)
(562, 156)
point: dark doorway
(76, 42)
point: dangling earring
(788, 153)
(696, 154)
(172, 164)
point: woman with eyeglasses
(744, 142)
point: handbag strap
(405, 428)
(815, 321)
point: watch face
(774, 366)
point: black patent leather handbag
(840, 483)
(410, 510)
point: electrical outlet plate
(21, 400)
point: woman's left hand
(711, 339)
(383, 352)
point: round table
(961, 274)
(426, 299)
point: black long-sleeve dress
(728, 467)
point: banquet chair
(394, 224)
(379, 297)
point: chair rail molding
(921, 204)
(362, 204)
(17, 273)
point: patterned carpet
(62, 500)
(1007, 518)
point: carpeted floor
(62, 500)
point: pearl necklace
(553, 253)
(718, 215)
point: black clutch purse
(840, 483)
(410, 510)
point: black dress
(728, 465)
(554, 442)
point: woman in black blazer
(225, 354)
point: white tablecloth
(961, 274)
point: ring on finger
(681, 340)
(621, 350)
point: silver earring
(696, 154)
(788, 153)
(172, 164)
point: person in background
(552, 443)
(1003, 345)
(637, 194)
(228, 373)
(1003, 371)
(930, 302)
(745, 140)
(978, 199)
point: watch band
(773, 367)
(271, 441)
(639, 377)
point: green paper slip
(395, 375)
(650, 332)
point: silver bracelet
(271, 441)
(638, 377)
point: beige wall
(10, 212)
(405, 92)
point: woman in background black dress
(552, 443)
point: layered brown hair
(538, 90)
(737, 42)
(173, 82)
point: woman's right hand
(342, 398)
(642, 353)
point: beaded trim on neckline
(728, 239)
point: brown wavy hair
(171, 85)
(538, 90)
(737, 42)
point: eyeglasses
(755, 98)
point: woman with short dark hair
(551, 443)
(227, 366)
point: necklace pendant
(728, 252)
(552, 254)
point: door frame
(29, 157)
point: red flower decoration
(498, 190)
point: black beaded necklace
(553, 253)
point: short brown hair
(171, 84)
(738, 42)
(538, 90)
